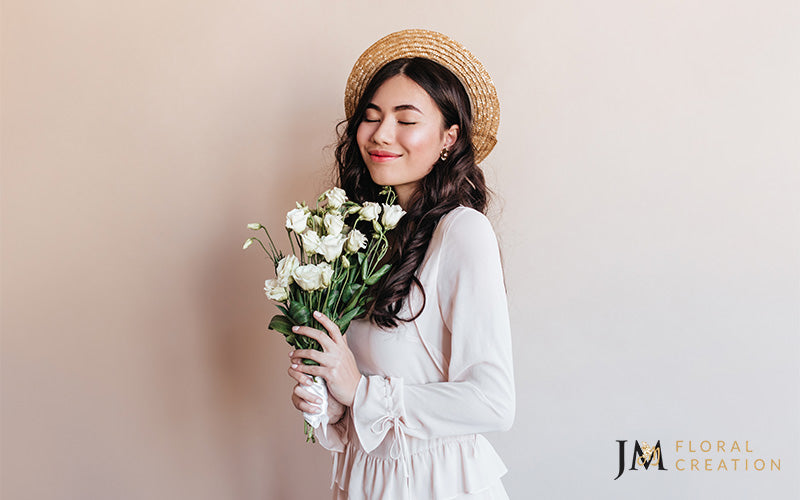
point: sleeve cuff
(336, 436)
(377, 407)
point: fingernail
(291, 353)
(294, 365)
(317, 314)
(318, 401)
(295, 328)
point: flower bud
(311, 242)
(275, 291)
(326, 274)
(333, 224)
(370, 211)
(308, 277)
(356, 241)
(331, 246)
(285, 268)
(297, 220)
(391, 215)
(336, 196)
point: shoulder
(465, 234)
(465, 222)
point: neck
(404, 193)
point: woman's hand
(304, 400)
(336, 362)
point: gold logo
(649, 454)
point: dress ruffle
(450, 468)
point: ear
(450, 136)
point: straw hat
(450, 54)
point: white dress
(429, 387)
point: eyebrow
(401, 107)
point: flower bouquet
(340, 245)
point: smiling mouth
(382, 156)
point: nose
(384, 132)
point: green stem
(272, 256)
(271, 243)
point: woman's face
(402, 135)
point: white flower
(275, 291)
(311, 242)
(355, 241)
(316, 222)
(247, 243)
(334, 224)
(335, 197)
(326, 273)
(370, 211)
(286, 266)
(309, 277)
(391, 215)
(331, 246)
(297, 219)
(255, 226)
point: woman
(429, 368)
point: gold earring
(444, 154)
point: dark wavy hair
(452, 182)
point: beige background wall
(647, 175)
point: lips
(381, 155)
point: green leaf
(344, 322)
(352, 272)
(339, 278)
(331, 301)
(348, 292)
(361, 256)
(352, 302)
(281, 324)
(343, 326)
(377, 275)
(284, 310)
(364, 269)
(299, 313)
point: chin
(381, 178)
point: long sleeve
(468, 302)
(335, 436)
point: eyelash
(401, 123)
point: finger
(300, 377)
(303, 405)
(315, 334)
(314, 371)
(307, 395)
(312, 354)
(329, 325)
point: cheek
(363, 134)
(422, 142)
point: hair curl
(452, 182)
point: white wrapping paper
(315, 420)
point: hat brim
(450, 54)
